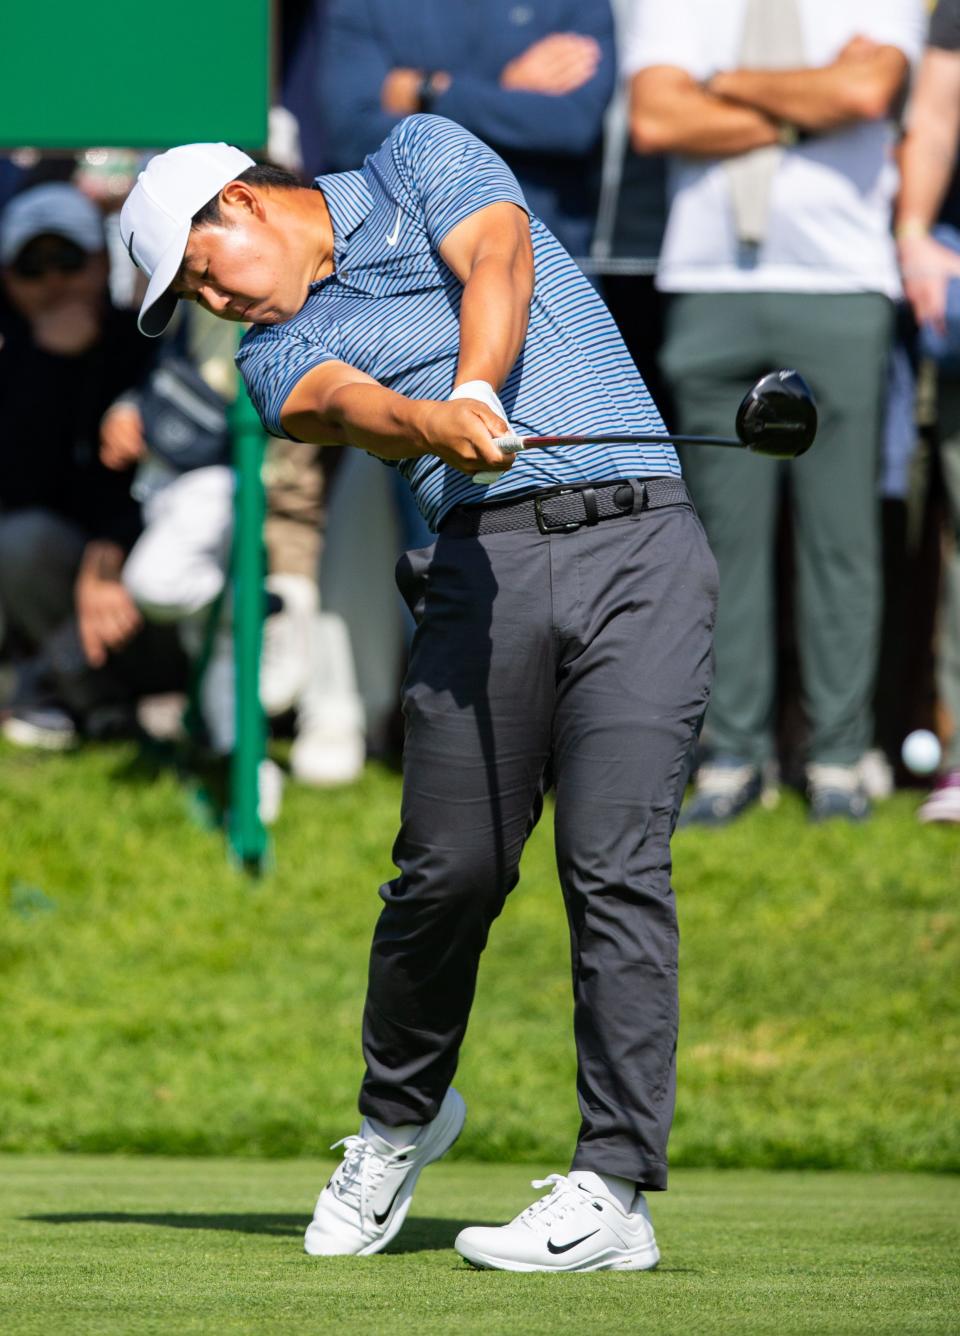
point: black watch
(426, 92)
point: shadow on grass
(420, 1234)
(203, 778)
(238, 1224)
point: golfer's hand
(461, 433)
(927, 268)
(121, 436)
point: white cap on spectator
(155, 219)
(55, 209)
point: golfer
(414, 309)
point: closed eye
(186, 295)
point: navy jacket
(553, 144)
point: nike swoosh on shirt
(393, 237)
(557, 1248)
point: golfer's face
(242, 271)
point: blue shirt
(391, 308)
(553, 144)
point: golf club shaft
(626, 438)
(513, 444)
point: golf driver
(777, 418)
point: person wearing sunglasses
(66, 521)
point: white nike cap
(156, 216)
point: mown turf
(98, 1246)
(155, 1000)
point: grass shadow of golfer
(430, 1234)
(259, 1223)
(419, 1234)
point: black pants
(587, 654)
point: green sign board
(135, 75)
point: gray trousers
(717, 345)
(585, 657)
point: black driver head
(778, 417)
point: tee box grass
(94, 1246)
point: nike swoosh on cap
(557, 1248)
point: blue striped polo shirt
(391, 308)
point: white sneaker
(367, 1199)
(578, 1227)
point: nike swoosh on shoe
(381, 1217)
(557, 1248)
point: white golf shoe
(367, 1199)
(577, 1227)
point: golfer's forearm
(818, 99)
(374, 418)
(670, 113)
(494, 312)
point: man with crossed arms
(413, 309)
(779, 119)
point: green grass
(103, 1246)
(156, 1001)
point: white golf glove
(484, 392)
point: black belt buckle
(565, 526)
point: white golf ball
(921, 751)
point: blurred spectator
(371, 520)
(65, 520)
(778, 252)
(308, 658)
(12, 177)
(175, 427)
(631, 215)
(930, 259)
(301, 42)
(533, 81)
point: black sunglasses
(64, 257)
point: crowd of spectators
(751, 183)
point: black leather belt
(565, 509)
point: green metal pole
(248, 838)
